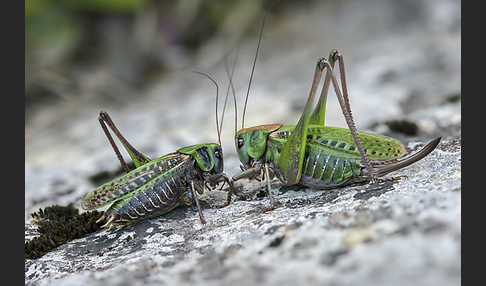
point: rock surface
(402, 60)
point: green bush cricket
(157, 186)
(315, 155)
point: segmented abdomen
(159, 196)
(128, 183)
(325, 168)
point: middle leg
(194, 195)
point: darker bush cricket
(157, 186)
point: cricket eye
(241, 142)
(217, 153)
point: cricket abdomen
(326, 169)
(332, 158)
(161, 195)
(125, 185)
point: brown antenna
(230, 85)
(252, 70)
(217, 93)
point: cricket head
(208, 157)
(251, 143)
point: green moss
(58, 225)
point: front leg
(194, 195)
(256, 171)
(216, 179)
(249, 173)
(269, 191)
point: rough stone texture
(402, 62)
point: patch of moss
(58, 225)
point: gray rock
(408, 231)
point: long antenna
(230, 84)
(217, 93)
(252, 70)
(236, 107)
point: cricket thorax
(251, 143)
(265, 127)
(208, 157)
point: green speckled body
(331, 158)
(312, 154)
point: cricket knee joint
(322, 63)
(335, 54)
(103, 115)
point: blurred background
(134, 59)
